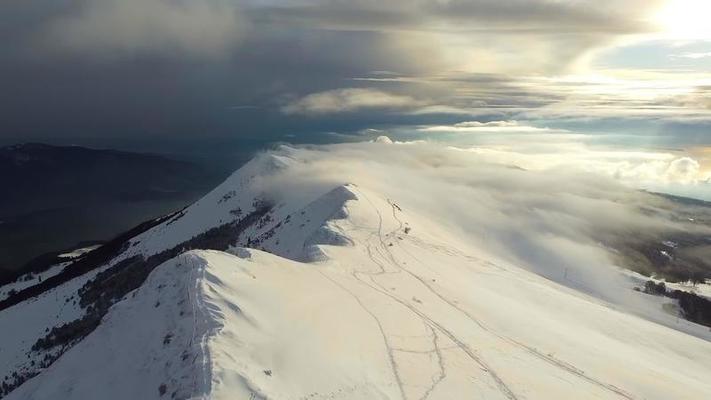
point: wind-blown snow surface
(367, 292)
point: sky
(624, 86)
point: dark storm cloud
(466, 15)
(129, 88)
(206, 28)
(269, 68)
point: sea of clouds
(558, 221)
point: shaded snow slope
(31, 279)
(25, 323)
(153, 338)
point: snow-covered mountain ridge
(303, 278)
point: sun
(685, 19)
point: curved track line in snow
(471, 353)
(386, 342)
(440, 361)
(536, 353)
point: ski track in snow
(547, 358)
(390, 259)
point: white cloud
(348, 100)
(383, 140)
(515, 143)
(693, 56)
(486, 127)
(201, 27)
(477, 124)
(649, 170)
(685, 170)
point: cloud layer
(265, 69)
(148, 26)
(349, 100)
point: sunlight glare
(686, 19)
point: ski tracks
(389, 264)
(383, 250)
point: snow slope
(360, 295)
(227, 203)
(124, 359)
(31, 320)
(33, 278)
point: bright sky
(685, 19)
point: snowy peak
(238, 199)
(299, 234)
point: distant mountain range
(57, 196)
